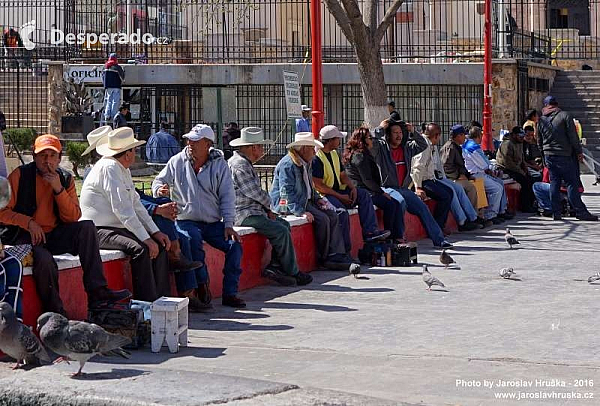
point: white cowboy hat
(302, 139)
(330, 131)
(200, 131)
(95, 136)
(251, 136)
(117, 141)
(305, 108)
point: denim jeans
(393, 215)
(564, 168)
(11, 291)
(414, 205)
(167, 227)
(214, 234)
(443, 195)
(496, 196)
(112, 101)
(461, 207)
(366, 212)
(541, 191)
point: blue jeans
(214, 234)
(393, 215)
(11, 291)
(112, 101)
(166, 226)
(564, 168)
(496, 196)
(415, 206)
(366, 212)
(541, 191)
(443, 195)
(461, 207)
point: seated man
(253, 208)
(202, 187)
(331, 181)
(393, 155)
(426, 184)
(478, 165)
(461, 207)
(161, 145)
(454, 164)
(510, 159)
(44, 211)
(164, 213)
(532, 155)
(108, 197)
(293, 187)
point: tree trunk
(372, 82)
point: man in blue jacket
(161, 146)
(113, 76)
(202, 187)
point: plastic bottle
(283, 202)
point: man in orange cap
(44, 211)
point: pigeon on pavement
(430, 280)
(446, 259)
(507, 273)
(78, 340)
(594, 278)
(17, 340)
(510, 239)
(354, 270)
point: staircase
(578, 92)
(24, 98)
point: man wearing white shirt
(108, 197)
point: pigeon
(18, 341)
(78, 340)
(446, 259)
(354, 270)
(510, 239)
(594, 278)
(430, 280)
(507, 273)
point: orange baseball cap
(46, 141)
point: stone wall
(504, 96)
(536, 97)
(570, 64)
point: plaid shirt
(250, 198)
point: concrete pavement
(382, 338)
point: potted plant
(77, 104)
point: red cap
(46, 141)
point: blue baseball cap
(457, 129)
(518, 131)
(550, 100)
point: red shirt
(398, 158)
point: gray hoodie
(208, 196)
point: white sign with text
(291, 84)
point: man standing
(113, 76)
(200, 182)
(44, 211)
(304, 124)
(108, 197)
(394, 115)
(161, 145)
(510, 159)
(120, 119)
(253, 208)
(331, 181)
(558, 140)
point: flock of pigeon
(447, 260)
(71, 340)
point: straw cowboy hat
(95, 136)
(304, 139)
(251, 136)
(117, 141)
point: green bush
(21, 138)
(74, 150)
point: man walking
(558, 140)
(113, 76)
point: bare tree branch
(386, 21)
(336, 10)
(359, 29)
(370, 14)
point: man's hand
(152, 248)
(271, 215)
(489, 172)
(410, 128)
(387, 196)
(463, 177)
(230, 234)
(309, 217)
(162, 239)
(163, 191)
(421, 193)
(37, 234)
(321, 203)
(354, 194)
(345, 199)
(167, 210)
(54, 180)
(580, 157)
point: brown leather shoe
(183, 264)
(195, 305)
(204, 294)
(233, 301)
(104, 295)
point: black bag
(126, 322)
(404, 254)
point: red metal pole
(487, 142)
(317, 67)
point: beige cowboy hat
(95, 136)
(304, 139)
(117, 141)
(251, 136)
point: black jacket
(112, 78)
(364, 172)
(557, 134)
